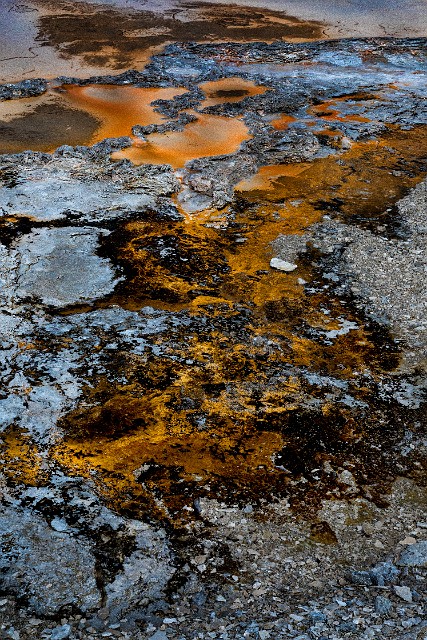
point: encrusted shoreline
(200, 441)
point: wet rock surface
(82, 186)
(31, 567)
(223, 447)
(23, 89)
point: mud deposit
(213, 343)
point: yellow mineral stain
(209, 135)
(21, 460)
(116, 463)
(363, 179)
(232, 89)
(191, 421)
(119, 107)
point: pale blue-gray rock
(403, 592)
(49, 569)
(415, 555)
(71, 185)
(384, 573)
(382, 605)
(61, 633)
(145, 572)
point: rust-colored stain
(119, 108)
(215, 411)
(364, 182)
(282, 122)
(209, 135)
(229, 90)
(108, 37)
(330, 112)
(268, 175)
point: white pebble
(282, 265)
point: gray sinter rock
(144, 575)
(66, 195)
(288, 248)
(23, 89)
(48, 568)
(70, 184)
(362, 578)
(403, 592)
(60, 267)
(382, 605)
(60, 633)
(414, 555)
(159, 635)
(382, 574)
(63, 564)
(386, 276)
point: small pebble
(60, 633)
(103, 613)
(404, 593)
(282, 265)
(159, 635)
(382, 605)
(59, 524)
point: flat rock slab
(70, 185)
(50, 198)
(146, 571)
(50, 569)
(59, 267)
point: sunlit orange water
(229, 90)
(282, 122)
(209, 135)
(267, 175)
(119, 108)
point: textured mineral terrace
(213, 345)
